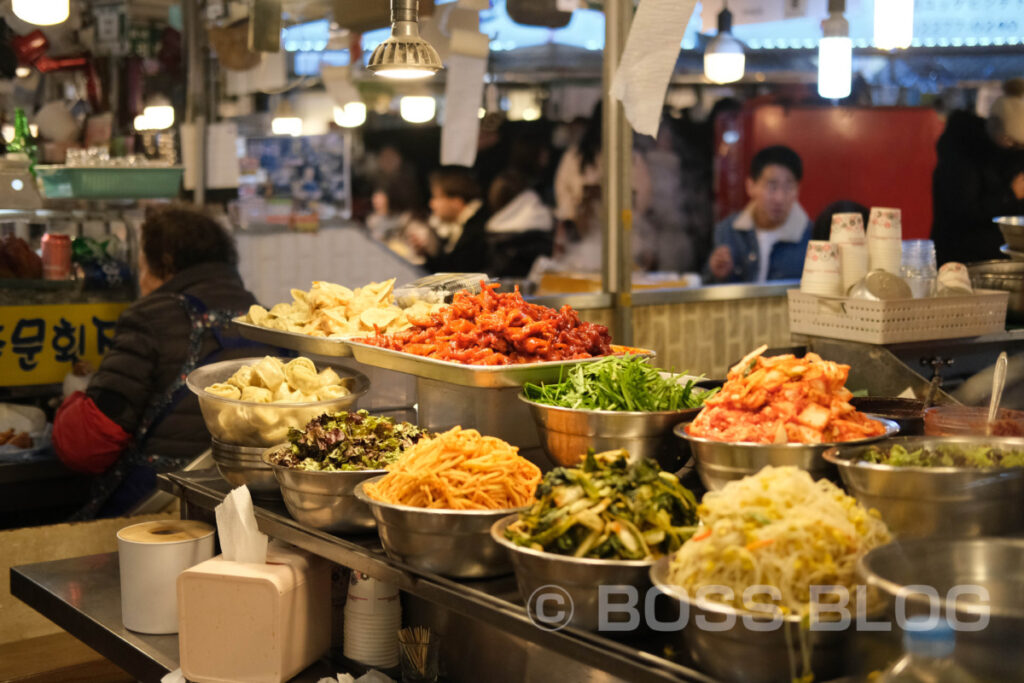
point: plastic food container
(245, 423)
(971, 420)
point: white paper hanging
(649, 59)
(463, 92)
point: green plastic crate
(61, 182)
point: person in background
(822, 229)
(979, 176)
(768, 239)
(136, 417)
(520, 228)
(391, 222)
(457, 242)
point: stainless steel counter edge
(656, 297)
(467, 598)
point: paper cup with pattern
(821, 273)
(885, 240)
(954, 276)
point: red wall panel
(878, 156)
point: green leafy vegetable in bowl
(945, 455)
(344, 442)
(608, 508)
(621, 383)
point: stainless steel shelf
(492, 601)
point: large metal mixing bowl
(566, 433)
(937, 501)
(719, 462)
(324, 500)
(1002, 275)
(736, 645)
(973, 567)
(579, 578)
(244, 466)
(455, 543)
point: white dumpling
(300, 373)
(242, 377)
(285, 394)
(268, 373)
(276, 435)
(263, 419)
(331, 392)
(257, 395)
(329, 377)
(224, 391)
(233, 426)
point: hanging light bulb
(405, 55)
(23, 71)
(158, 113)
(417, 109)
(835, 54)
(894, 24)
(352, 115)
(724, 61)
(41, 12)
(285, 122)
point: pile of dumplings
(270, 381)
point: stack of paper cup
(822, 270)
(954, 280)
(373, 617)
(885, 240)
(848, 233)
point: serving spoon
(998, 382)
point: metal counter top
(83, 596)
(656, 297)
(492, 601)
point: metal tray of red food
(478, 376)
(296, 341)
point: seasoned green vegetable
(347, 441)
(608, 508)
(944, 455)
(618, 383)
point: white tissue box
(254, 623)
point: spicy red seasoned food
(495, 328)
(780, 399)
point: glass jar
(919, 268)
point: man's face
(773, 194)
(444, 207)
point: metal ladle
(998, 382)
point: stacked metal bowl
(244, 466)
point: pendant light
(724, 61)
(41, 12)
(417, 108)
(158, 113)
(894, 24)
(405, 55)
(285, 122)
(835, 54)
(352, 115)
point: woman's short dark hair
(778, 155)
(456, 181)
(176, 238)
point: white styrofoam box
(241, 622)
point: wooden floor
(57, 658)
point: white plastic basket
(896, 321)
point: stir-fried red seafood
(783, 399)
(492, 328)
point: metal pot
(1007, 276)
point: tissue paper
(174, 677)
(240, 537)
(463, 93)
(649, 59)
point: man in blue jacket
(768, 239)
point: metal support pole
(617, 186)
(195, 101)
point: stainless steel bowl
(1012, 228)
(992, 564)
(455, 543)
(937, 501)
(244, 466)
(737, 645)
(324, 500)
(566, 434)
(719, 462)
(1005, 276)
(580, 578)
